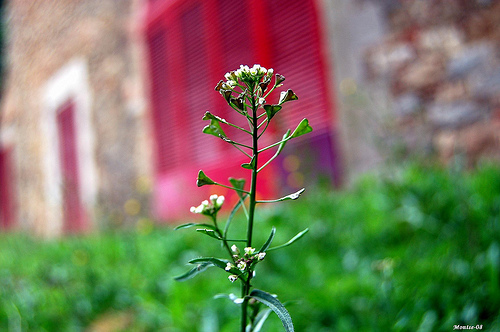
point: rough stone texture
(43, 37)
(443, 59)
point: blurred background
(100, 143)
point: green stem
(251, 211)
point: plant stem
(251, 210)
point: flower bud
(233, 277)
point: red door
(73, 213)
(7, 205)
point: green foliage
(419, 251)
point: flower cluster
(209, 208)
(242, 263)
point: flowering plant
(246, 90)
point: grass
(415, 252)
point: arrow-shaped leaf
(203, 179)
(238, 184)
(302, 129)
(275, 305)
(214, 129)
(210, 116)
(271, 110)
(250, 165)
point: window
(191, 45)
(7, 204)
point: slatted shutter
(192, 44)
(7, 204)
(73, 213)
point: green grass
(419, 251)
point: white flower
(235, 249)
(249, 251)
(262, 101)
(242, 266)
(261, 255)
(220, 201)
(229, 266)
(233, 277)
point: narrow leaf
(214, 129)
(292, 240)
(203, 179)
(269, 240)
(209, 232)
(302, 129)
(285, 198)
(271, 110)
(212, 260)
(191, 224)
(275, 305)
(193, 272)
(260, 319)
(233, 212)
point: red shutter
(192, 44)
(73, 212)
(7, 204)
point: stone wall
(441, 62)
(43, 36)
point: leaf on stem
(209, 232)
(275, 305)
(269, 240)
(287, 96)
(302, 129)
(250, 165)
(292, 240)
(191, 224)
(214, 128)
(260, 320)
(271, 110)
(210, 116)
(193, 272)
(238, 184)
(203, 179)
(285, 198)
(233, 212)
(221, 263)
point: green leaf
(269, 240)
(210, 116)
(214, 129)
(275, 305)
(295, 195)
(271, 110)
(302, 129)
(191, 224)
(292, 240)
(203, 179)
(287, 96)
(238, 184)
(209, 232)
(283, 142)
(193, 272)
(233, 212)
(250, 165)
(260, 320)
(285, 198)
(221, 263)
